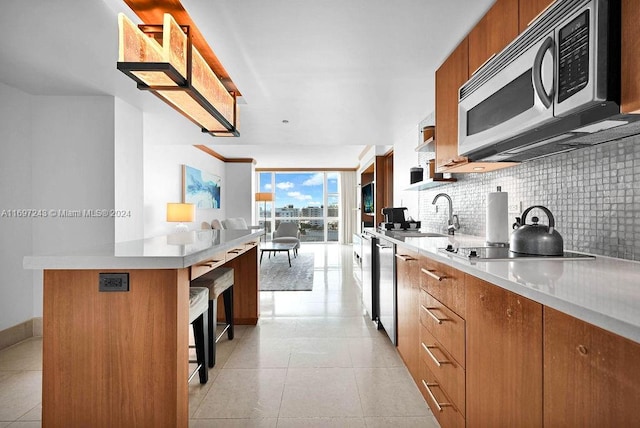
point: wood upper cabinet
(529, 10)
(591, 376)
(497, 28)
(504, 357)
(452, 74)
(630, 57)
(408, 296)
(449, 77)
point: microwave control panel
(573, 58)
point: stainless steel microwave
(558, 80)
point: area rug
(276, 275)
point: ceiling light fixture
(161, 59)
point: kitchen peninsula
(115, 353)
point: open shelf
(430, 183)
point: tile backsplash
(593, 193)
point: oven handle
(547, 99)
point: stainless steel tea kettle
(536, 239)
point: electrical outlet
(514, 208)
(113, 282)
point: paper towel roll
(497, 225)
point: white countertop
(603, 291)
(174, 251)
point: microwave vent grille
(541, 27)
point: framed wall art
(200, 187)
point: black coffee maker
(394, 218)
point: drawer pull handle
(209, 264)
(432, 315)
(433, 357)
(236, 251)
(405, 258)
(432, 274)
(439, 406)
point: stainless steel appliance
(387, 287)
(549, 89)
(536, 239)
(487, 254)
(369, 276)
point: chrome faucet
(454, 223)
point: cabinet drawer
(448, 373)
(250, 245)
(234, 252)
(445, 326)
(442, 407)
(444, 283)
(206, 266)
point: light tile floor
(313, 360)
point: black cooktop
(486, 254)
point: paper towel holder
(497, 244)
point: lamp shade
(264, 197)
(177, 212)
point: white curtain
(347, 209)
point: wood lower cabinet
(488, 357)
(504, 357)
(442, 341)
(408, 289)
(591, 376)
(444, 283)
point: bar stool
(218, 281)
(198, 318)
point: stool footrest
(223, 331)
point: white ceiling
(345, 74)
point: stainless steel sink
(417, 234)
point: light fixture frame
(182, 84)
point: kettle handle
(552, 222)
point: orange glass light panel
(174, 43)
(207, 83)
(192, 109)
(135, 46)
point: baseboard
(20, 332)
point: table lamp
(264, 197)
(181, 213)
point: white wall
(128, 172)
(16, 290)
(168, 144)
(239, 188)
(73, 161)
(73, 169)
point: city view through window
(309, 199)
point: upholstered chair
(287, 233)
(235, 223)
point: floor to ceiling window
(309, 199)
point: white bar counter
(120, 358)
